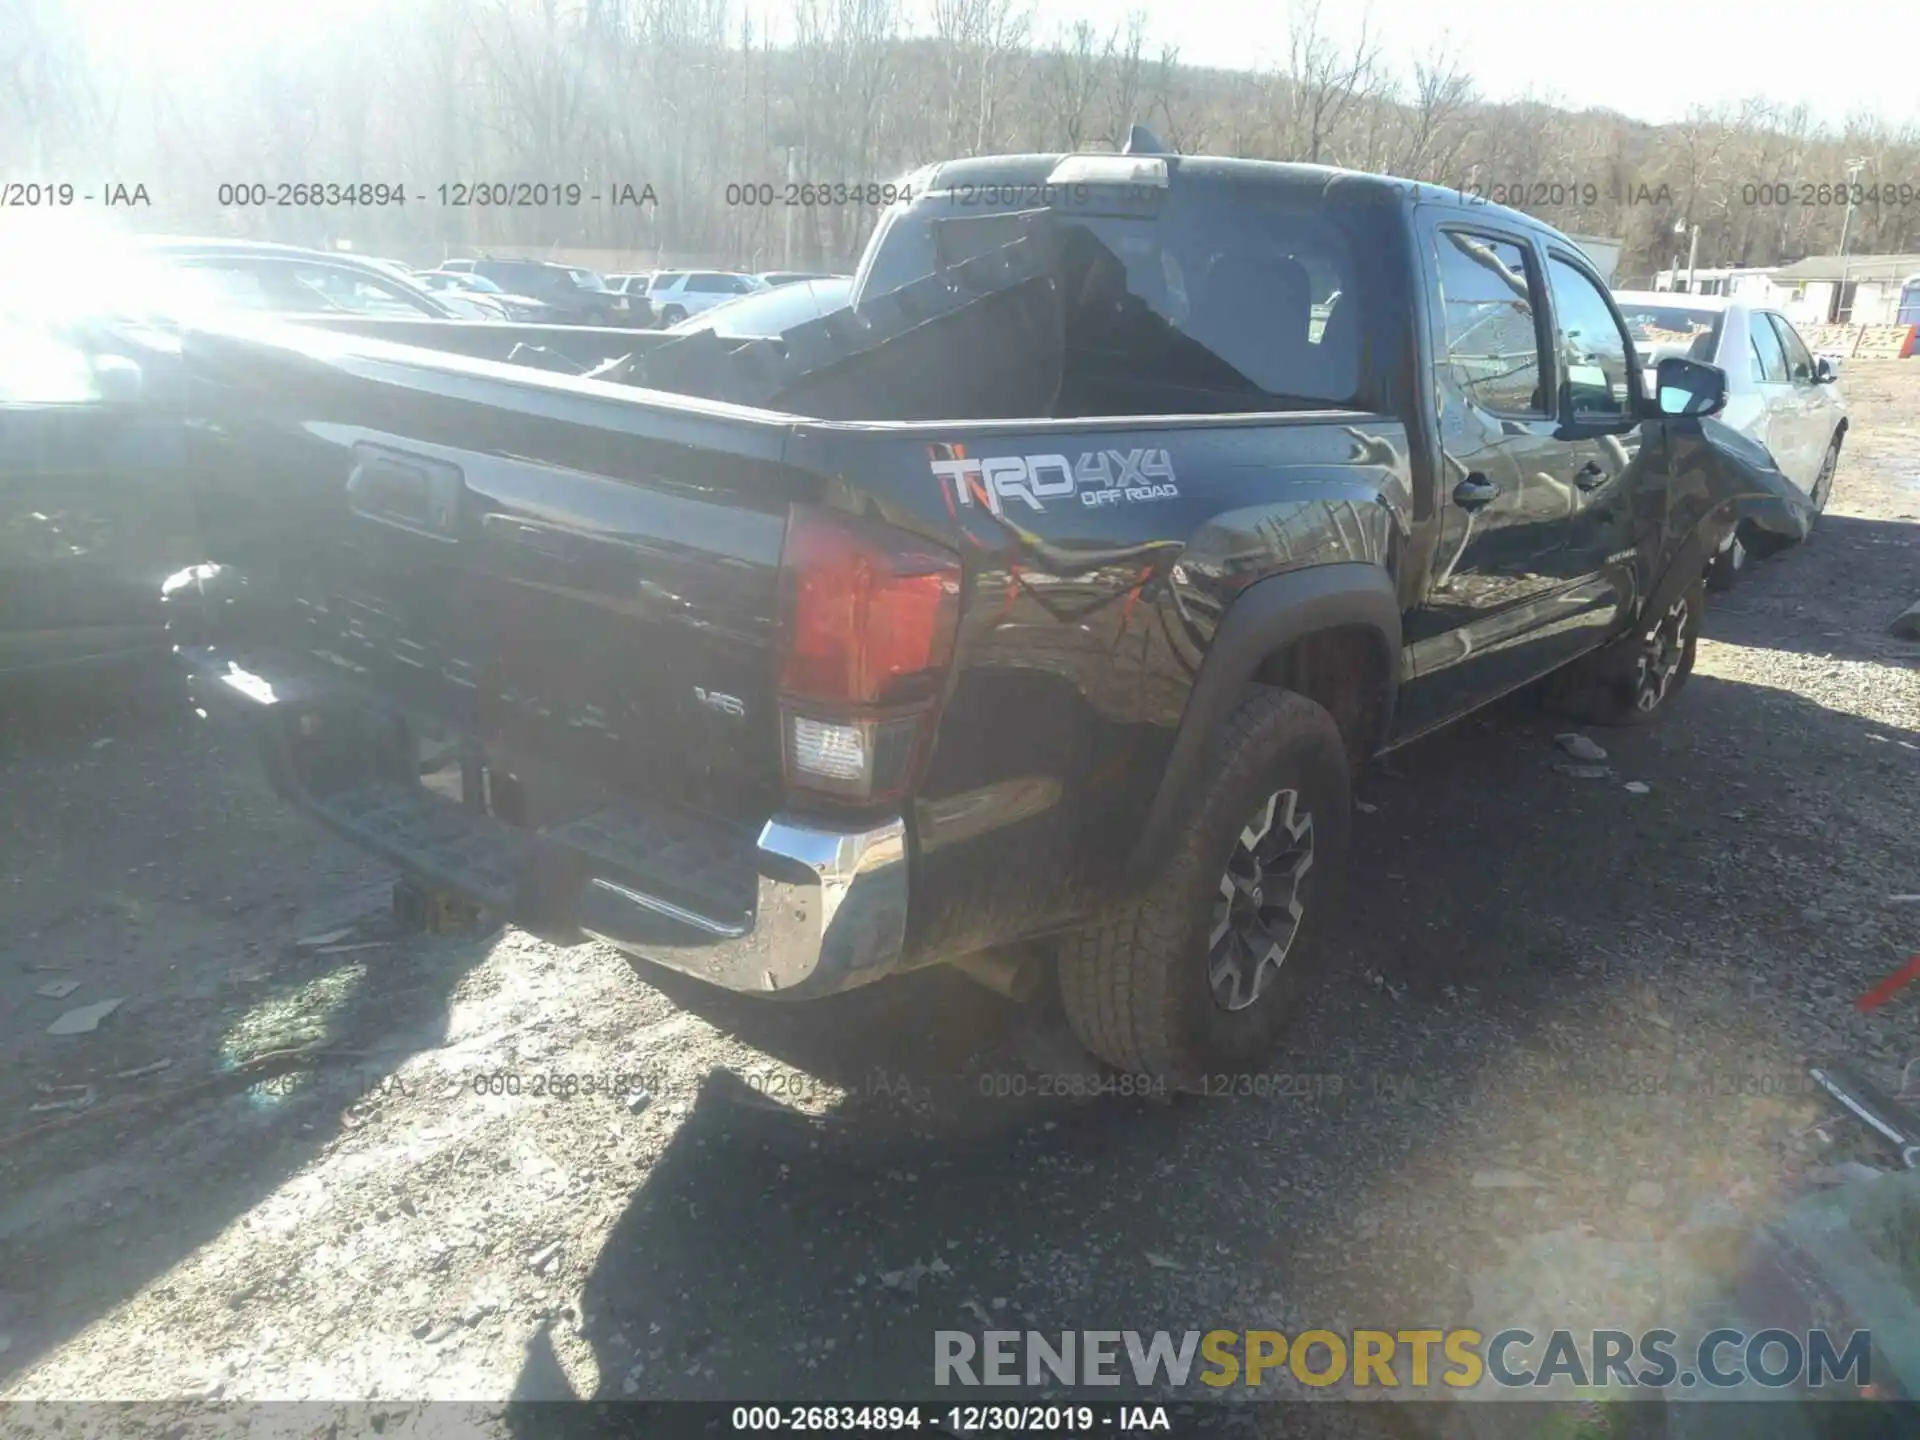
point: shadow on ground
(1501, 908)
(182, 894)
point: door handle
(1590, 476)
(1475, 492)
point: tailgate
(564, 570)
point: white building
(1820, 290)
(1856, 289)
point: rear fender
(1269, 616)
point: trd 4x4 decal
(1103, 477)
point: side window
(361, 294)
(1766, 345)
(1595, 356)
(1799, 360)
(1486, 303)
(226, 285)
(738, 284)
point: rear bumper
(793, 911)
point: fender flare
(1269, 615)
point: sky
(1648, 59)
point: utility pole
(1854, 167)
(1680, 227)
(793, 178)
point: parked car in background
(794, 277)
(392, 267)
(771, 311)
(676, 294)
(1778, 393)
(572, 294)
(452, 285)
(632, 291)
(93, 515)
(286, 280)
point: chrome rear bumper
(798, 910)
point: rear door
(1780, 422)
(1504, 513)
(1812, 420)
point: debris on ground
(545, 1256)
(1585, 772)
(140, 1070)
(1580, 747)
(314, 942)
(1638, 787)
(1161, 1262)
(909, 1279)
(85, 1019)
(1646, 1194)
(57, 989)
(1504, 1180)
(1847, 1172)
(82, 1098)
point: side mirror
(1688, 388)
(1826, 370)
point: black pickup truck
(1165, 493)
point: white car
(772, 311)
(676, 294)
(1778, 392)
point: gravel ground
(1562, 1060)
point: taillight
(869, 614)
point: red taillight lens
(870, 615)
(871, 610)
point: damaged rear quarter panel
(1100, 558)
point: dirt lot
(1565, 1049)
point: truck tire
(1194, 980)
(1634, 680)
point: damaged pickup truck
(1055, 591)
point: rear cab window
(1228, 291)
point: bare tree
(1324, 80)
